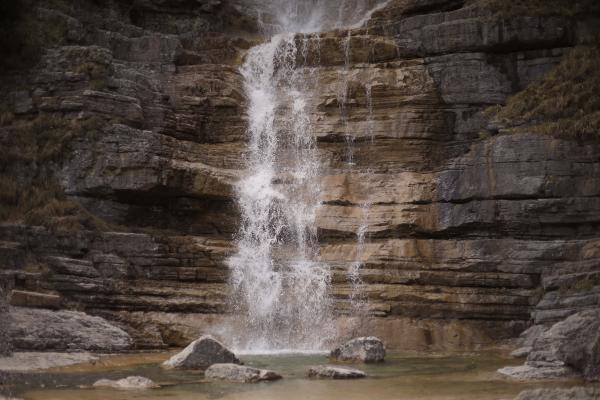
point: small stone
(331, 372)
(129, 383)
(365, 349)
(239, 373)
(201, 354)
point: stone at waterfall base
(201, 354)
(576, 393)
(129, 383)
(366, 349)
(240, 374)
(332, 372)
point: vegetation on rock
(513, 8)
(565, 101)
(31, 149)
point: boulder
(576, 393)
(129, 383)
(239, 373)
(569, 346)
(46, 330)
(365, 349)
(201, 354)
(331, 372)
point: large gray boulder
(239, 373)
(331, 372)
(366, 349)
(577, 393)
(46, 330)
(569, 346)
(201, 354)
(129, 383)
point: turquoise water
(401, 377)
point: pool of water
(401, 377)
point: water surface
(401, 377)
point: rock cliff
(124, 136)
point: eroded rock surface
(201, 354)
(239, 373)
(568, 347)
(39, 330)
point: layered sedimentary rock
(463, 236)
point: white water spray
(282, 290)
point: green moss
(564, 102)
(569, 8)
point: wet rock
(200, 354)
(576, 393)
(331, 372)
(239, 373)
(129, 383)
(366, 349)
(46, 330)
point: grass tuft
(564, 102)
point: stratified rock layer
(39, 330)
(469, 235)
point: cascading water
(281, 288)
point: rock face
(43, 330)
(5, 348)
(239, 373)
(331, 372)
(577, 393)
(568, 346)
(365, 349)
(129, 383)
(470, 236)
(201, 354)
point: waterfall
(281, 289)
